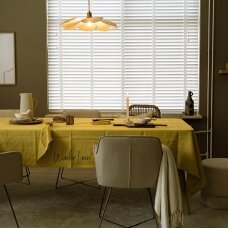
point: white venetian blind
(153, 56)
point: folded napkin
(168, 199)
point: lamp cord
(89, 5)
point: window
(153, 56)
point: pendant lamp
(88, 23)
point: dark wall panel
(220, 102)
(27, 18)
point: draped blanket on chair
(168, 199)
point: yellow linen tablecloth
(72, 145)
(31, 140)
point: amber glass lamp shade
(88, 23)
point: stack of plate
(25, 121)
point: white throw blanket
(168, 199)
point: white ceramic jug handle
(35, 103)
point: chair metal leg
(60, 176)
(102, 213)
(105, 206)
(11, 205)
(185, 200)
(102, 202)
(27, 170)
(57, 180)
(152, 204)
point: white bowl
(22, 116)
(145, 120)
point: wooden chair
(144, 109)
(10, 171)
(127, 162)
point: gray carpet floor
(40, 205)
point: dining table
(32, 140)
(51, 144)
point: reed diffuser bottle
(189, 104)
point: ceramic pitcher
(27, 102)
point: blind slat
(153, 56)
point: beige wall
(27, 18)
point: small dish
(25, 122)
(144, 120)
(22, 116)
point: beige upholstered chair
(145, 110)
(10, 113)
(80, 113)
(10, 171)
(127, 162)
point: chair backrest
(10, 167)
(139, 109)
(8, 112)
(128, 161)
(82, 113)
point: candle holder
(127, 120)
